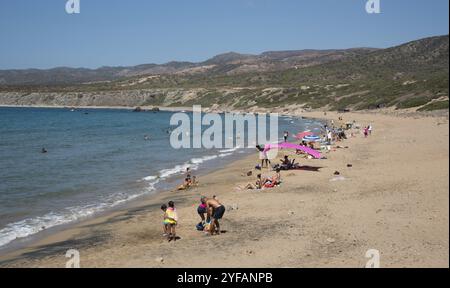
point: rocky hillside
(224, 64)
(411, 75)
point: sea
(96, 160)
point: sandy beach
(394, 199)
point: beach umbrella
(311, 138)
(303, 134)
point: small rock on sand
(159, 259)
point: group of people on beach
(264, 182)
(211, 211)
(189, 181)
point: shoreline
(23, 243)
(31, 240)
(161, 108)
(39, 254)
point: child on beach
(201, 210)
(171, 220)
(165, 223)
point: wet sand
(394, 199)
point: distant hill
(414, 74)
(228, 63)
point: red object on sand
(303, 134)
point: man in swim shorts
(215, 211)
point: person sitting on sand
(258, 184)
(287, 164)
(172, 220)
(215, 211)
(274, 180)
(187, 183)
(194, 181)
(165, 221)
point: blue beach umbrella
(311, 138)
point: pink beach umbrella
(303, 134)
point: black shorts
(218, 212)
(201, 210)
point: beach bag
(200, 226)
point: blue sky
(40, 34)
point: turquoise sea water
(96, 159)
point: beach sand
(394, 199)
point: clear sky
(40, 34)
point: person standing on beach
(263, 156)
(286, 136)
(215, 212)
(172, 220)
(165, 221)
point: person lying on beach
(257, 185)
(215, 211)
(165, 222)
(171, 220)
